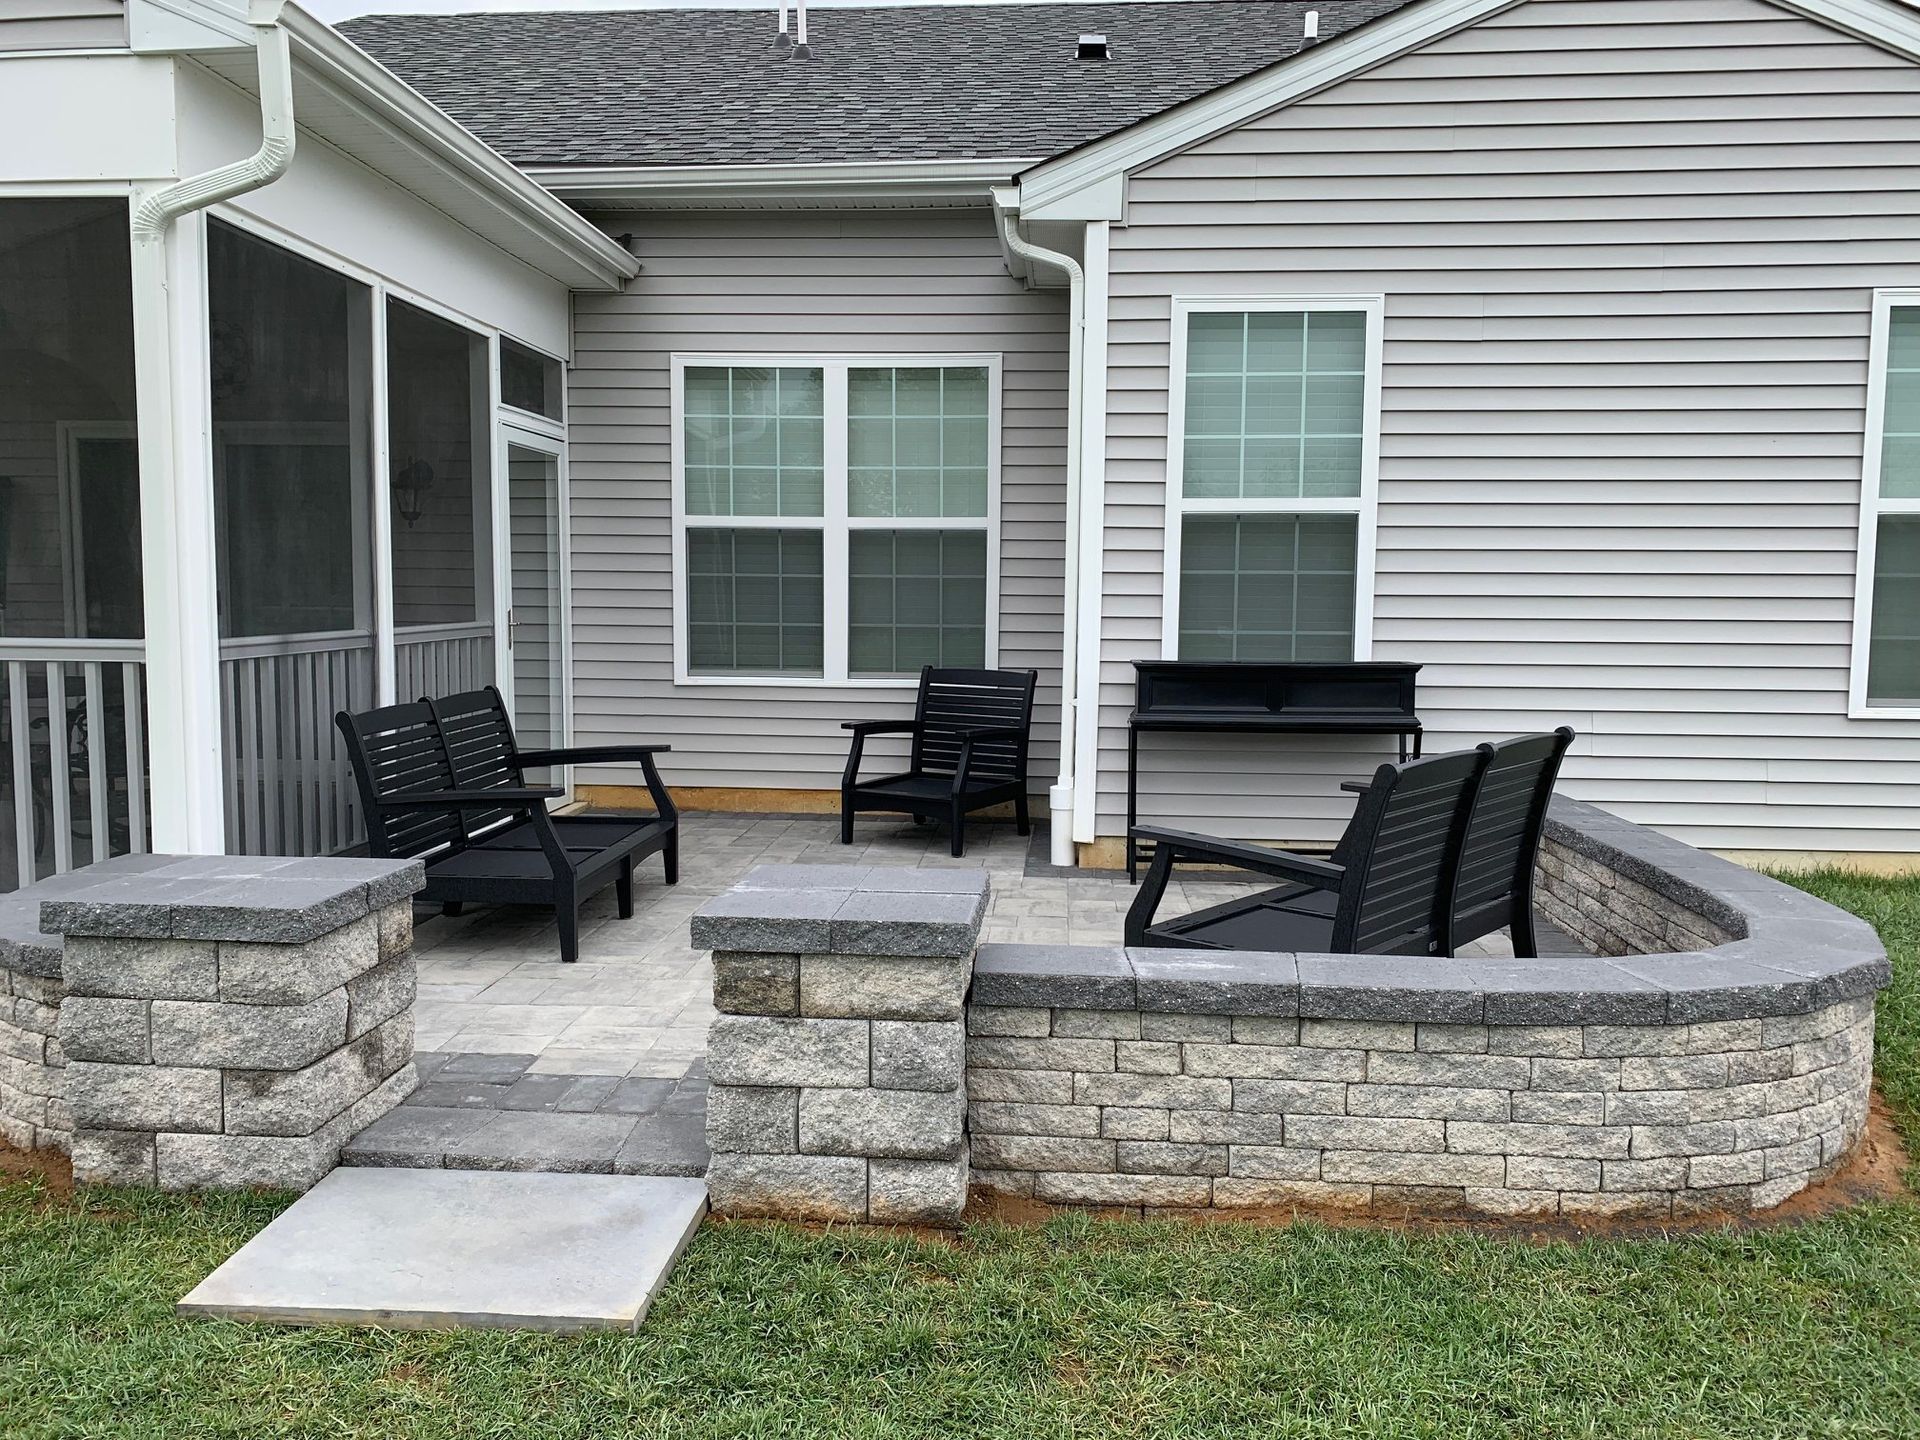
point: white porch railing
(289, 788)
(74, 716)
(442, 659)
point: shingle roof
(920, 82)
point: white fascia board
(912, 180)
(579, 254)
(1061, 182)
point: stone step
(444, 1249)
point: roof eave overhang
(865, 183)
(1089, 181)
(506, 207)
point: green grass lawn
(1079, 1329)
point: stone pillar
(229, 1021)
(837, 1064)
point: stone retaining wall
(221, 1022)
(33, 1112)
(837, 1064)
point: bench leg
(452, 907)
(569, 916)
(846, 822)
(1526, 944)
(1022, 820)
(958, 821)
(670, 858)
(623, 888)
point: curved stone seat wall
(1713, 1055)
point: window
(529, 380)
(836, 519)
(1886, 646)
(1272, 463)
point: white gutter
(1060, 798)
(176, 490)
(820, 181)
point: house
(699, 389)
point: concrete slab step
(445, 1249)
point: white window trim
(1872, 507)
(1365, 506)
(834, 523)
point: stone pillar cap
(847, 910)
(276, 899)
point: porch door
(536, 662)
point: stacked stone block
(229, 1022)
(1612, 913)
(1192, 1108)
(33, 1110)
(837, 1063)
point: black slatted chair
(415, 810)
(1495, 886)
(485, 755)
(970, 730)
(1383, 891)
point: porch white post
(1092, 519)
(174, 406)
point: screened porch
(367, 449)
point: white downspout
(1060, 796)
(179, 588)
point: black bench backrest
(1503, 836)
(397, 750)
(481, 748)
(952, 701)
(1400, 851)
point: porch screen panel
(72, 612)
(291, 346)
(529, 380)
(439, 503)
(1273, 457)
(1893, 666)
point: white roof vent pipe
(1310, 26)
(800, 50)
(782, 42)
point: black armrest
(591, 754)
(1185, 845)
(506, 797)
(879, 727)
(1356, 787)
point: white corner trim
(1365, 507)
(1061, 183)
(1872, 507)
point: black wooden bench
(1439, 852)
(457, 800)
(970, 730)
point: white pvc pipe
(179, 590)
(1060, 796)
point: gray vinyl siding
(62, 24)
(1627, 250)
(920, 281)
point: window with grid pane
(916, 597)
(1893, 510)
(917, 442)
(754, 602)
(1278, 408)
(754, 441)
